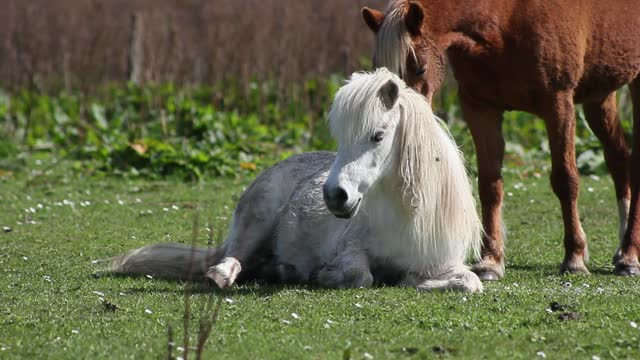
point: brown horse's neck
(438, 27)
(459, 23)
(460, 26)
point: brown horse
(542, 57)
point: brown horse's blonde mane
(394, 42)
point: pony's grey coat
(416, 225)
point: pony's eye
(421, 70)
(377, 137)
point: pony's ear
(389, 94)
(373, 18)
(413, 18)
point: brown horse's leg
(603, 119)
(561, 123)
(485, 124)
(627, 261)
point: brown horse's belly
(522, 87)
(612, 54)
(600, 80)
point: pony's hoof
(329, 277)
(472, 282)
(356, 278)
(225, 273)
(622, 269)
(332, 277)
(574, 267)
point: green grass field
(51, 306)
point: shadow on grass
(544, 269)
(208, 287)
(602, 270)
(201, 289)
(262, 289)
(554, 269)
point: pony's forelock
(357, 106)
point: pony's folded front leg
(351, 270)
(458, 279)
(226, 272)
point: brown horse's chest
(498, 81)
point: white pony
(393, 206)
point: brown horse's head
(403, 45)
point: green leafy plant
(160, 130)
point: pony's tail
(174, 261)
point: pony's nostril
(335, 197)
(341, 196)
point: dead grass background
(82, 43)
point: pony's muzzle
(337, 199)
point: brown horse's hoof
(623, 269)
(488, 271)
(488, 275)
(574, 267)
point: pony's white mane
(435, 183)
(394, 42)
(435, 187)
